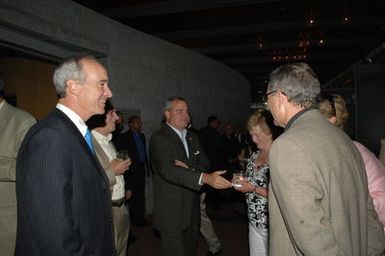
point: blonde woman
(333, 107)
(263, 131)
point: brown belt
(117, 203)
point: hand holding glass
(237, 178)
(122, 154)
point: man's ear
(166, 114)
(282, 99)
(73, 87)
(333, 120)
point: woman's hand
(245, 187)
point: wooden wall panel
(30, 81)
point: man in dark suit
(134, 142)
(176, 189)
(213, 145)
(63, 196)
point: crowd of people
(68, 188)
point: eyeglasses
(266, 96)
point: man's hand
(180, 164)
(215, 180)
(119, 166)
(128, 194)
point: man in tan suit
(102, 127)
(318, 200)
(14, 124)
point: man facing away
(14, 124)
(176, 189)
(63, 196)
(102, 127)
(318, 200)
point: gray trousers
(207, 229)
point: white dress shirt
(75, 118)
(182, 135)
(109, 149)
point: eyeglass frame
(265, 97)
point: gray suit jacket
(14, 124)
(318, 200)
(176, 190)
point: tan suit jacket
(103, 159)
(318, 200)
(14, 124)
(120, 215)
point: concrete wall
(144, 70)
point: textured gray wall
(144, 70)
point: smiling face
(93, 91)
(178, 115)
(261, 138)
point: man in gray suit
(318, 199)
(63, 195)
(14, 124)
(176, 189)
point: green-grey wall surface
(144, 70)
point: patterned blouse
(257, 206)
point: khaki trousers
(121, 221)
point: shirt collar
(296, 116)
(2, 103)
(102, 138)
(75, 118)
(181, 133)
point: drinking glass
(238, 177)
(122, 154)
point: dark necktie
(89, 141)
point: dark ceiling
(254, 36)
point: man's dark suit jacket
(213, 145)
(64, 202)
(135, 177)
(126, 141)
(176, 190)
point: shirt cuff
(200, 180)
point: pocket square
(197, 152)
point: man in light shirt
(63, 196)
(102, 127)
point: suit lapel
(72, 127)
(172, 134)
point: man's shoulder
(18, 114)
(54, 121)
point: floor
(231, 228)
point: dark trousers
(184, 243)
(137, 201)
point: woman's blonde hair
(265, 120)
(334, 106)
